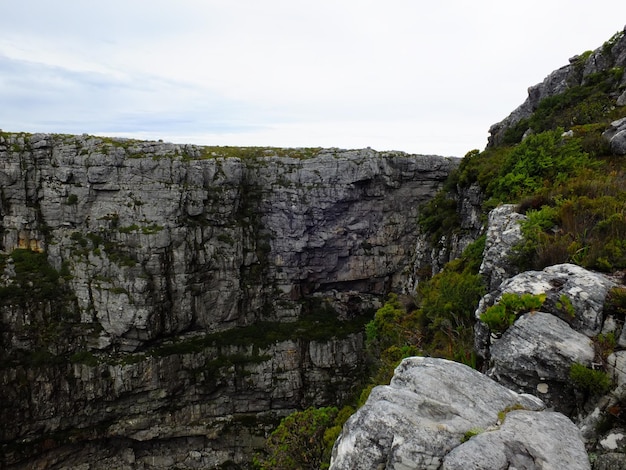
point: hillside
(536, 302)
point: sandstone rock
(574, 294)
(535, 356)
(616, 365)
(536, 353)
(503, 233)
(420, 419)
(526, 440)
(165, 251)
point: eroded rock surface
(536, 353)
(431, 405)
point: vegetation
(589, 381)
(500, 316)
(34, 280)
(298, 442)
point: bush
(500, 316)
(589, 381)
(298, 442)
(539, 162)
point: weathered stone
(616, 136)
(526, 440)
(616, 365)
(574, 294)
(420, 419)
(503, 233)
(535, 355)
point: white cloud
(426, 78)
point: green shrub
(471, 433)
(35, 279)
(565, 305)
(501, 316)
(298, 442)
(589, 381)
(615, 303)
(539, 162)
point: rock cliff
(166, 304)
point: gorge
(191, 296)
(164, 306)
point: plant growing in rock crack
(565, 305)
(500, 316)
(589, 381)
(471, 433)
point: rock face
(577, 72)
(190, 294)
(503, 233)
(431, 406)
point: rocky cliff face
(581, 70)
(167, 303)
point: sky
(410, 75)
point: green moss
(84, 357)
(72, 200)
(565, 305)
(471, 433)
(502, 413)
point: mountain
(166, 306)
(550, 325)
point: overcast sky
(422, 77)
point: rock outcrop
(172, 302)
(440, 414)
(581, 69)
(616, 136)
(535, 354)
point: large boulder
(535, 355)
(432, 405)
(526, 440)
(616, 136)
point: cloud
(426, 78)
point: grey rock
(585, 290)
(616, 366)
(535, 355)
(574, 74)
(526, 440)
(503, 233)
(419, 420)
(618, 143)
